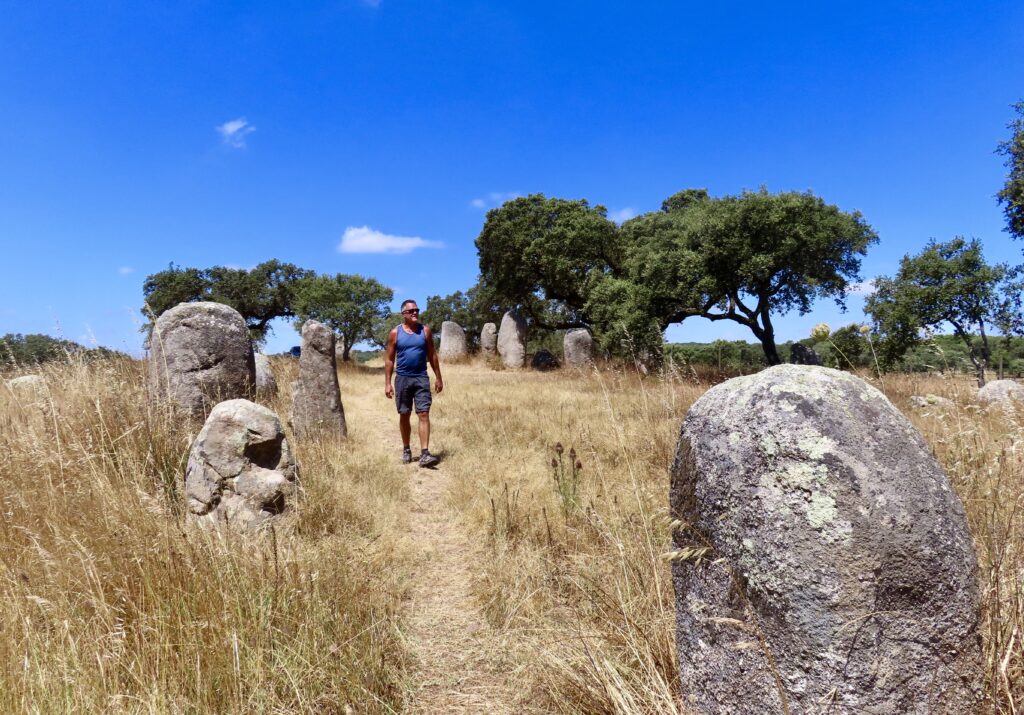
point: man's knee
(424, 416)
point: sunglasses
(411, 311)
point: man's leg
(424, 430)
(405, 427)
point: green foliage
(351, 305)
(260, 295)
(539, 254)
(740, 258)
(1012, 194)
(470, 310)
(845, 349)
(35, 349)
(682, 200)
(946, 284)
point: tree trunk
(767, 337)
(345, 350)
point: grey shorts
(409, 390)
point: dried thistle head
(579, 465)
(572, 454)
(554, 463)
(559, 448)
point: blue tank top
(411, 352)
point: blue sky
(137, 134)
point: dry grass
(110, 603)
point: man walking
(410, 347)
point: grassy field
(111, 602)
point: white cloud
(125, 270)
(494, 198)
(233, 133)
(622, 215)
(367, 240)
(863, 288)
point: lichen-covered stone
(489, 339)
(512, 340)
(578, 348)
(266, 383)
(821, 557)
(453, 342)
(931, 403)
(316, 395)
(28, 386)
(240, 470)
(1007, 394)
(200, 354)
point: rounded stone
(578, 348)
(820, 554)
(200, 354)
(266, 383)
(316, 395)
(453, 342)
(1001, 393)
(512, 340)
(489, 338)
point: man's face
(411, 314)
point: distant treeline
(848, 349)
(17, 350)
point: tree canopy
(260, 295)
(353, 306)
(1012, 194)
(946, 284)
(470, 310)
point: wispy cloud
(234, 132)
(622, 215)
(863, 288)
(494, 198)
(363, 239)
(125, 270)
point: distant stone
(453, 342)
(28, 386)
(543, 360)
(316, 396)
(489, 339)
(512, 340)
(822, 558)
(1001, 394)
(266, 384)
(933, 403)
(800, 354)
(240, 470)
(578, 348)
(200, 354)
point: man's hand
(438, 383)
(389, 391)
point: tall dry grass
(110, 602)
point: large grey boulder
(453, 342)
(240, 469)
(821, 558)
(316, 396)
(266, 383)
(489, 338)
(1001, 394)
(578, 348)
(200, 354)
(28, 386)
(512, 340)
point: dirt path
(457, 656)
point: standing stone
(512, 340)
(200, 354)
(240, 469)
(316, 397)
(822, 557)
(266, 384)
(489, 338)
(800, 354)
(578, 348)
(453, 342)
(1001, 394)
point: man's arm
(389, 362)
(435, 363)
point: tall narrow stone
(316, 396)
(489, 339)
(200, 354)
(453, 342)
(822, 560)
(512, 340)
(578, 348)
(266, 383)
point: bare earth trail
(456, 666)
